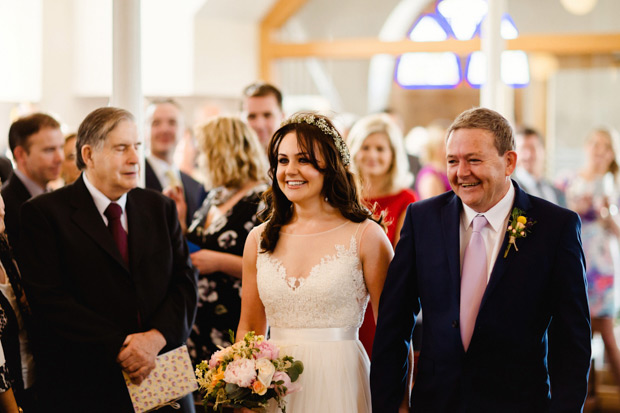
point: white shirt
(102, 202)
(493, 233)
(167, 174)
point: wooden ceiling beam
(279, 14)
(365, 48)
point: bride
(309, 270)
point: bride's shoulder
(371, 234)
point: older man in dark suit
(107, 273)
(506, 320)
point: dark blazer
(194, 191)
(6, 168)
(530, 350)
(14, 193)
(85, 300)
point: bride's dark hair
(339, 184)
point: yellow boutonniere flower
(518, 227)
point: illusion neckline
(316, 233)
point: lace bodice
(314, 281)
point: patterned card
(172, 378)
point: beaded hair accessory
(320, 123)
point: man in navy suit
(107, 274)
(526, 346)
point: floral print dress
(219, 294)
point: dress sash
(313, 334)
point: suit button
(455, 323)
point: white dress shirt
(102, 202)
(493, 233)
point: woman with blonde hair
(432, 179)
(380, 161)
(594, 193)
(235, 167)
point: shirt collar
(101, 201)
(32, 187)
(496, 216)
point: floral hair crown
(320, 123)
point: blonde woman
(380, 161)
(432, 179)
(593, 193)
(235, 167)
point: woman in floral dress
(236, 173)
(593, 193)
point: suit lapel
(503, 264)
(139, 229)
(87, 217)
(450, 217)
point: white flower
(266, 370)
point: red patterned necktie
(113, 212)
(473, 280)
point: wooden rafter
(279, 14)
(581, 44)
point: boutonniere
(518, 227)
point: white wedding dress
(313, 290)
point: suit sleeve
(175, 316)
(569, 331)
(398, 307)
(54, 307)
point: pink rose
(218, 357)
(267, 350)
(241, 372)
(290, 387)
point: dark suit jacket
(14, 193)
(530, 350)
(6, 168)
(194, 191)
(85, 300)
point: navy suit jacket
(85, 300)
(530, 350)
(194, 191)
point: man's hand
(138, 354)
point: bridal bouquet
(248, 374)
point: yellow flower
(522, 219)
(217, 376)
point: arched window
(461, 20)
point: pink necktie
(473, 280)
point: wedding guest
(380, 160)
(309, 270)
(432, 179)
(69, 171)
(530, 171)
(236, 171)
(506, 329)
(37, 146)
(262, 110)
(594, 194)
(165, 127)
(17, 373)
